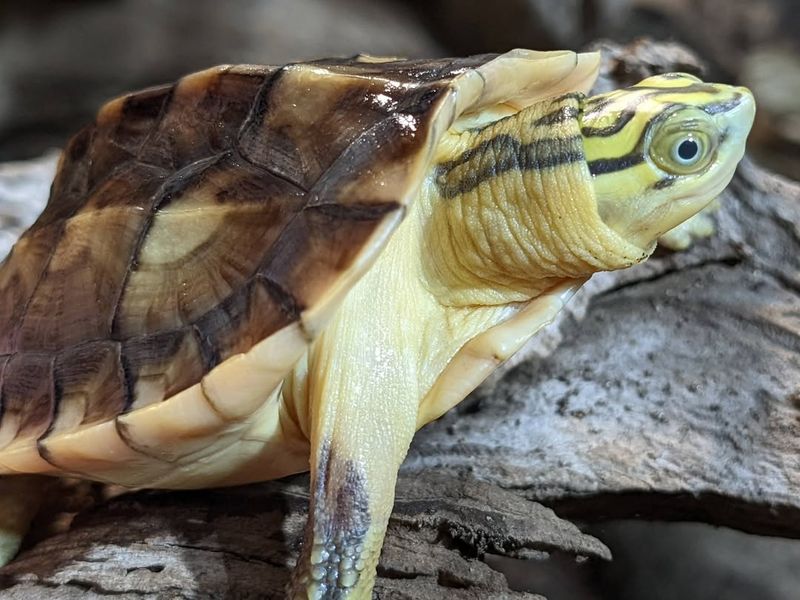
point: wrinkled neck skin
(510, 211)
(506, 213)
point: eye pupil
(688, 149)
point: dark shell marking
(191, 221)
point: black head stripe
(618, 125)
(603, 166)
(717, 108)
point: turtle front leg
(696, 227)
(20, 499)
(354, 466)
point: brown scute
(202, 118)
(139, 110)
(420, 71)
(284, 299)
(302, 134)
(367, 211)
(305, 247)
(243, 319)
(199, 247)
(122, 128)
(26, 397)
(379, 156)
(71, 181)
(19, 276)
(8, 427)
(74, 303)
(229, 179)
(230, 99)
(161, 365)
(89, 385)
(192, 221)
(133, 186)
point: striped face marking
(663, 149)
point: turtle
(258, 271)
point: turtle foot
(20, 498)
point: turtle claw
(10, 541)
(20, 498)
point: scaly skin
(506, 213)
(20, 497)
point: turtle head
(662, 150)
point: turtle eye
(685, 142)
(687, 151)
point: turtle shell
(221, 218)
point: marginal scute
(27, 400)
(89, 385)
(24, 458)
(160, 365)
(242, 383)
(170, 430)
(521, 76)
(99, 453)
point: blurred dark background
(60, 59)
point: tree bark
(669, 391)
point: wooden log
(241, 542)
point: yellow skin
(517, 210)
(507, 214)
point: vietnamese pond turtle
(258, 271)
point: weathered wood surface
(239, 543)
(671, 390)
